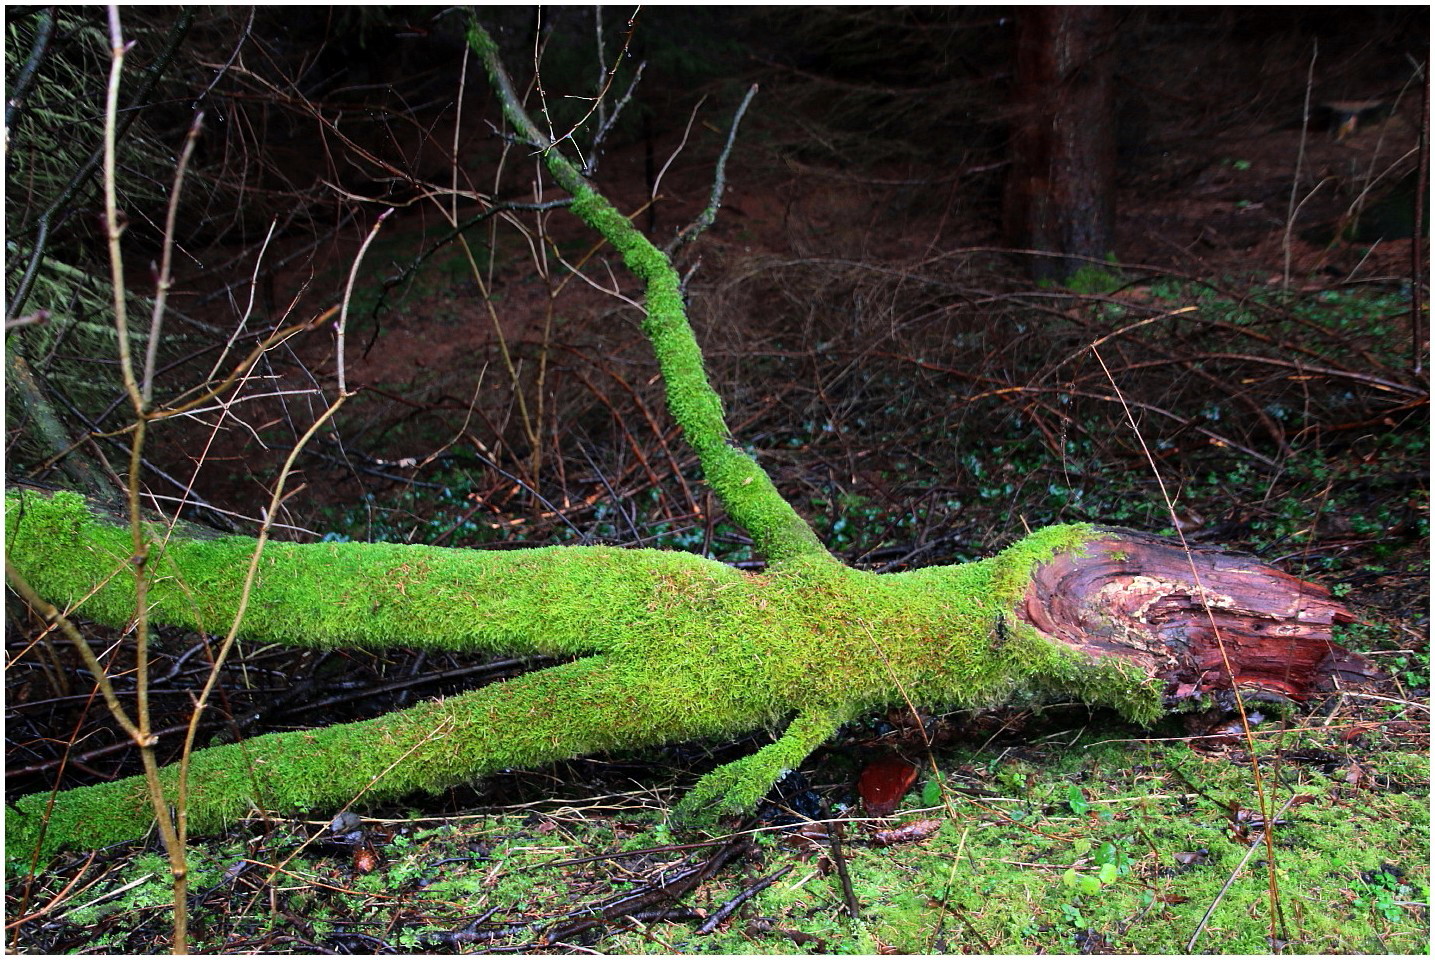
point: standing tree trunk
(1063, 142)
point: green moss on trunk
(681, 648)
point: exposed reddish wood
(1136, 596)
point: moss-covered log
(673, 647)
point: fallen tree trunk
(668, 646)
(672, 647)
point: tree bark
(1059, 195)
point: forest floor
(922, 403)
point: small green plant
(1111, 861)
(1071, 913)
(1091, 280)
(1083, 884)
(1382, 891)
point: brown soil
(1204, 208)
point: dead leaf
(883, 784)
(1356, 731)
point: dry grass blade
(1264, 838)
(1257, 778)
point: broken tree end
(1200, 621)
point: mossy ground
(1067, 838)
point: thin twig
(667, 893)
(840, 861)
(603, 92)
(113, 227)
(602, 74)
(223, 69)
(1258, 781)
(533, 492)
(962, 916)
(1418, 302)
(687, 131)
(1299, 165)
(725, 911)
(167, 259)
(58, 898)
(348, 297)
(249, 304)
(456, 230)
(20, 89)
(595, 148)
(29, 320)
(709, 214)
(181, 822)
(53, 616)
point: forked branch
(741, 485)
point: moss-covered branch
(552, 600)
(741, 485)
